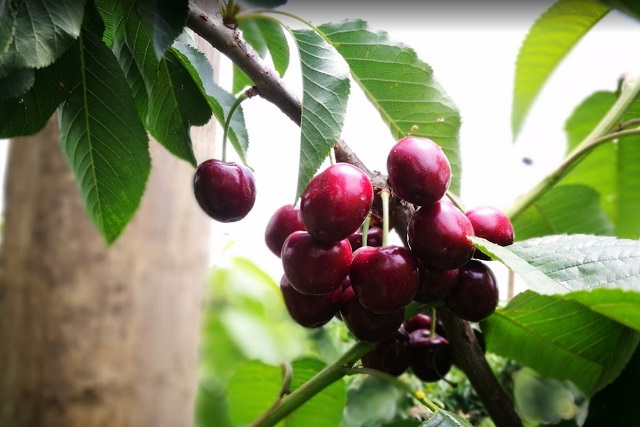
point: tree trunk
(92, 335)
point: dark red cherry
(374, 238)
(475, 296)
(492, 225)
(438, 235)
(226, 191)
(336, 202)
(419, 171)
(435, 284)
(313, 267)
(284, 221)
(364, 324)
(431, 357)
(310, 311)
(391, 355)
(423, 321)
(385, 279)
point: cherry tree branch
(271, 87)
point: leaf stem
(597, 137)
(418, 394)
(332, 373)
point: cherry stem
(418, 394)
(433, 322)
(365, 229)
(455, 200)
(384, 195)
(249, 93)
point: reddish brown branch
(271, 87)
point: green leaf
(325, 408)
(38, 31)
(555, 213)
(165, 21)
(371, 400)
(132, 47)
(325, 84)
(401, 86)
(616, 404)
(613, 168)
(29, 113)
(252, 390)
(549, 40)
(533, 278)
(175, 104)
(630, 7)
(444, 418)
(16, 83)
(211, 407)
(102, 136)
(561, 339)
(616, 304)
(559, 264)
(265, 36)
(219, 100)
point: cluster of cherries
(328, 272)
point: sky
(472, 47)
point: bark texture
(92, 335)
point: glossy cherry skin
(391, 355)
(385, 279)
(226, 191)
(284, 221)
(435, 285)
(492, 225)
(438, 235)
(423, 321)
(419, 171)
(431, 357)
(475, 296)
(374, 238)
(364, 324)
(310, 311)
(313, 267)
(336, 202)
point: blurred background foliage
(247, 337)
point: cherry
(423, 321)
(438, 235)
(284, 221)
(364, 324)
(431, 358)
(374, 238)
(385, 279)
(419, 171)
(225, 191)
(391, 355)
(492, 225)
(336, 202)
(310, 311)
(313, 267)
(435, 284)
(475, 296)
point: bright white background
(472, 50)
